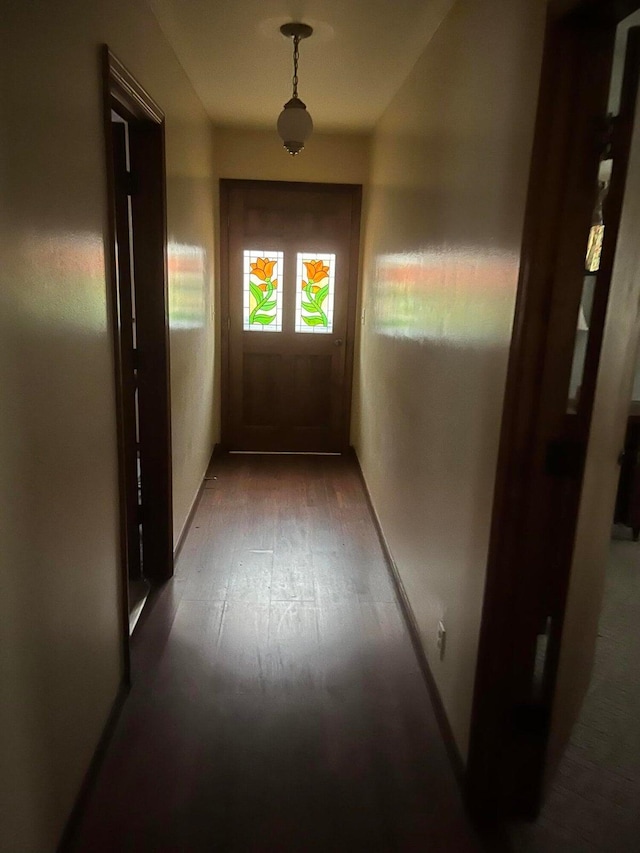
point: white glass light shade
(294, 125)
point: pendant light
(294, 122)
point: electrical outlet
(442, 639)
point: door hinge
(564, 457)
(135, 358)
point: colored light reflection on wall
(56, 263)
(187, 286)
(457, 295)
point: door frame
(507, 751)
(123, 92)
(355, 193)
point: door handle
(338, 342)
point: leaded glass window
(315, 287)
(262, 290)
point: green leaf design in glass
(262, 286)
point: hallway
(277, 702)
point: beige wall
(258, 154)
(59, 619)
(444, 221)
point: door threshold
(284, 453)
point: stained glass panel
(594, 248)
(315, 286)
(262, 291)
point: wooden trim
(352, 308)
(148, 206)
(319, 186)
(122, 92)
(194, 505)
(65, 844)
(604, 11)
(125, 88)
(114, 311)
(225, 189)
(147, 152)
(451, 746)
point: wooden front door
(290, 254)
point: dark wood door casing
(152, 323)
(288, 391)
(126, 309)
(147, 193)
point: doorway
(290, 264)
(563, 413)
(134, 138)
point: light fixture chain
(294, 122)
(296, 55)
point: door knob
(338, 342)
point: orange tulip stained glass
(315, 293)
(262, 300)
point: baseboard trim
(412, 626)
(73, 821)
(194, 506)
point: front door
(289, 284)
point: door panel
(261, 391)
(311, 383)
(289, 299)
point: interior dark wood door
(291, 271)
(569, 250)
(127, 340)
(135, 165)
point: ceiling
(241, 66)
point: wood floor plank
(244, 647)
(277, 703)
(250, 575)
(292, 576)
(293, 645)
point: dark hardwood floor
(277, 703)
